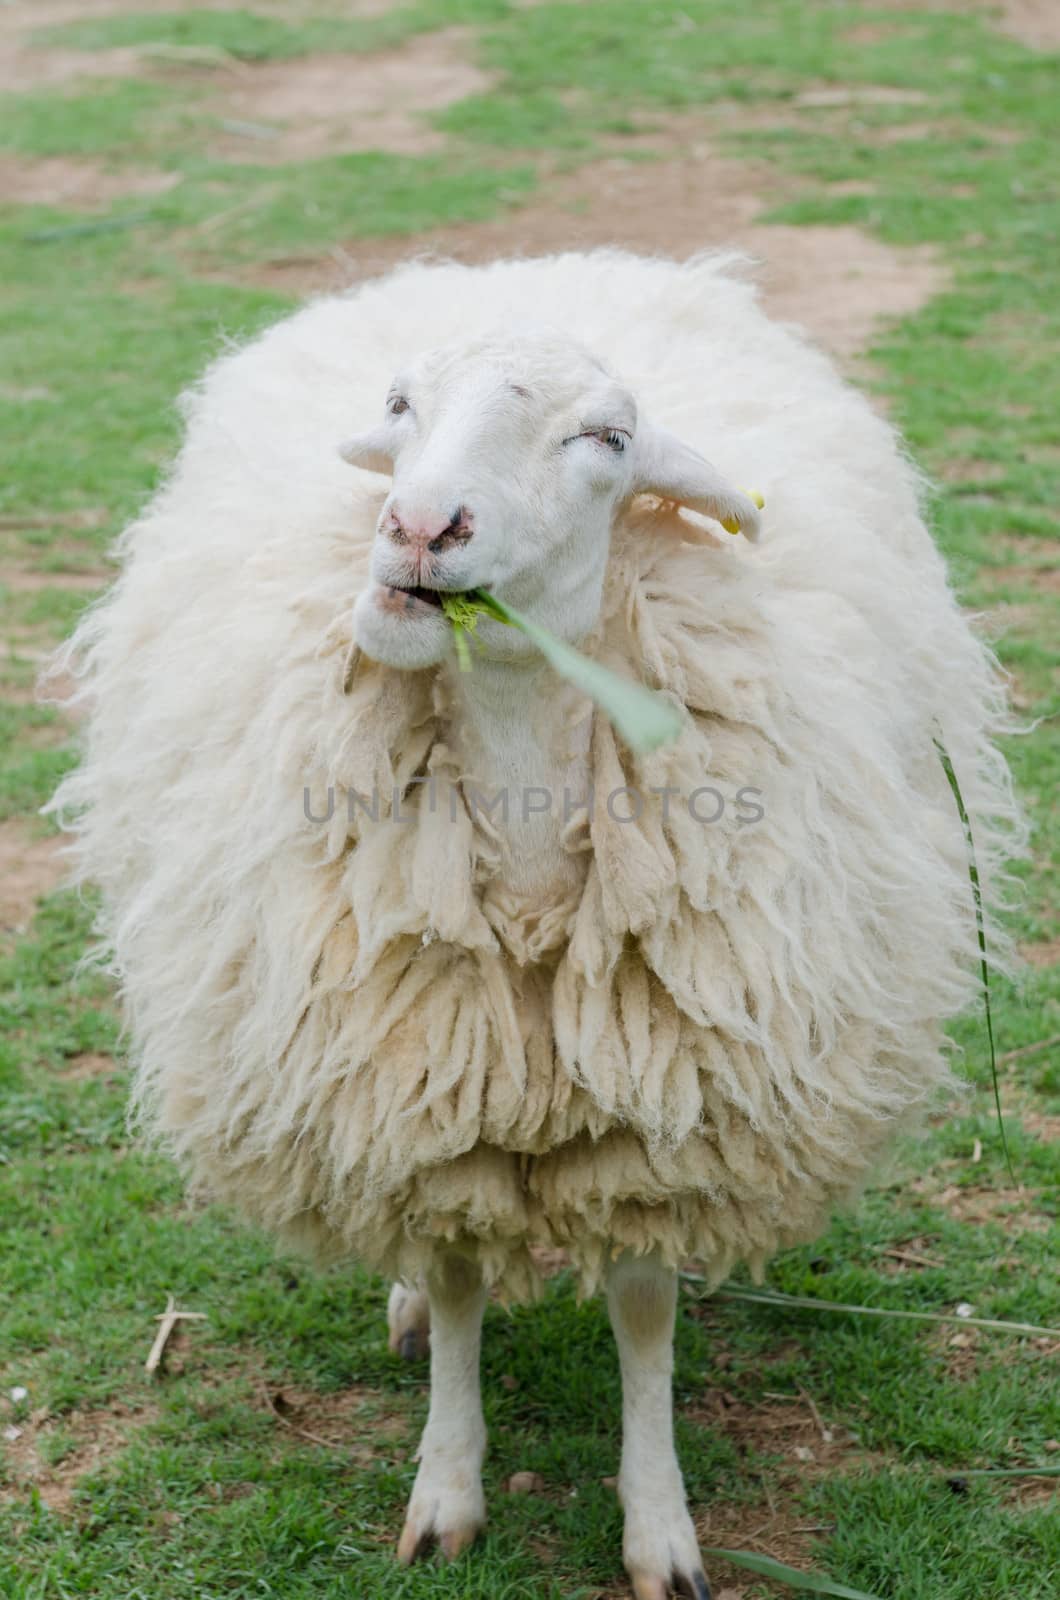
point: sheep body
(702, 1040)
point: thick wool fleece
(352, 1030)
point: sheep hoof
(412, 1346)
(413, 1543)
(457, 1540)
(409, 1322)
(447, 1507)
(646, 1586)
(689, 1586)
(417, 1538)
(660, 1547)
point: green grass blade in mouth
(463, 613)
(644, 719)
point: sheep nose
(429, 532)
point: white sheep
(653, 1007)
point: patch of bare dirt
(20, 648)
(91, 1438)
(85, 1068)
(1005, 619)
(919, 1254)
(1031, 1494)
(359, 1421)
(1013, 1208)
(321, 104)
(961, 1350)
(805, 1445)
(20, 393)
(53, 688)
(1023, 545)
(43, 735)
(760, 1529)
(783, 1426)
(1032, 22)
(1020, 1102)
(1042, 1126)
(1045, 579)
(30, 867)
(26, 15)
(352, 1420)
(23, 580)
(836, 282)
(902, 132)
(21, 16)
(970, 469)
(26, 64)
(867, 33)
(86, 517)
(25, 68)
(858, 94)
(1045, 954)
(74, 182)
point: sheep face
(510, 459)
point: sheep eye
(397, 404)
(614, 438)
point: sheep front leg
(447, 1503)
(659, 1547)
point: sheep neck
(515, 754)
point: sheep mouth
(428, 597)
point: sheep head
(510, 459)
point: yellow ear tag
(730, 524)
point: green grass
(201, 1492)
(109, 118)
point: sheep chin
(400, 630)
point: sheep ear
(665, 467)
(371, 450)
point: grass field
(156, 200)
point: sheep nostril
(457, 531)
